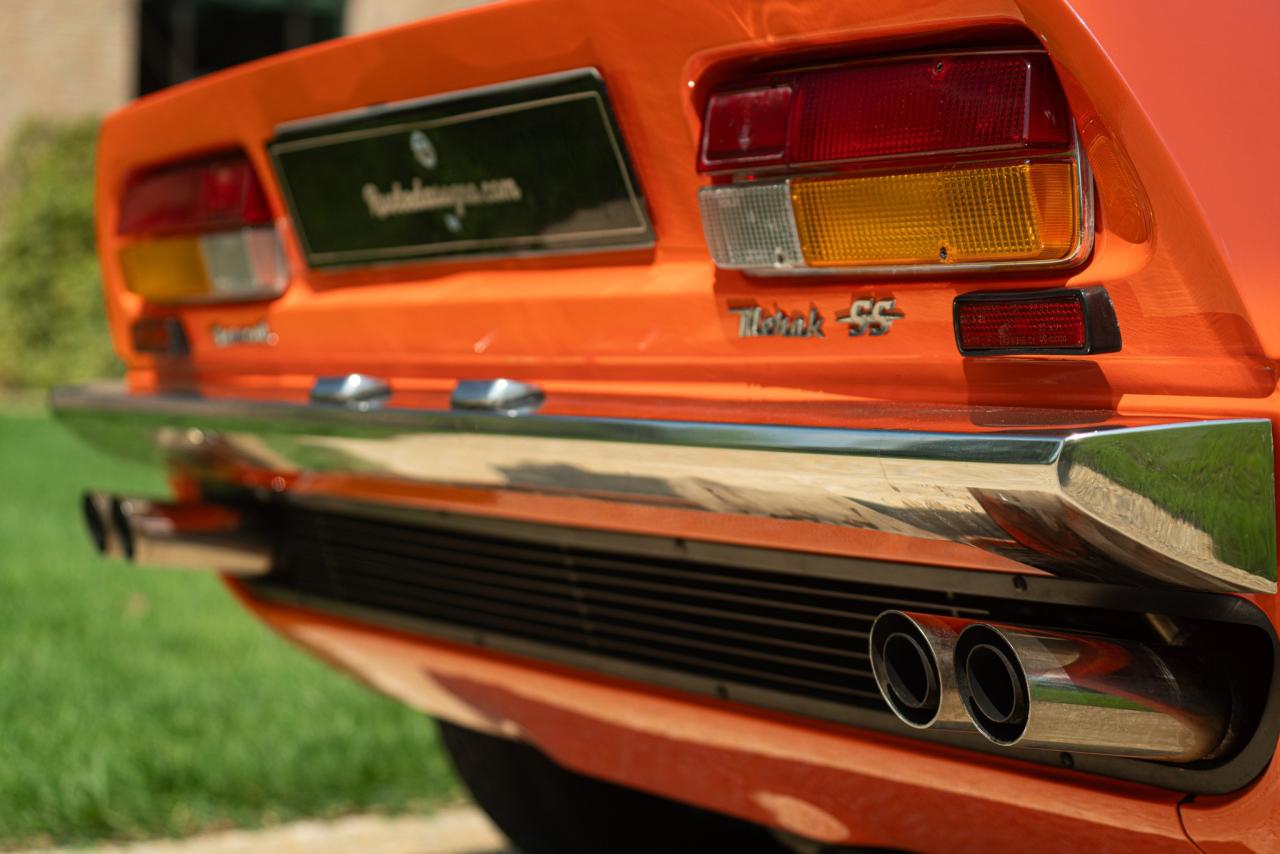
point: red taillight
(993, 102)
(217, 193)
(746, 128)
(1060, 321)
(981, 102)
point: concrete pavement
(454, 830)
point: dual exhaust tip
(984, 687)
(994, 687)
(1044, 689)
(181, 535)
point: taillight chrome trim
(199, 230)
(782, 171)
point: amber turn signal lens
(165, 271)
(1020, 212)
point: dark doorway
(182, 39)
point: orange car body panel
(1249, 821)
(1173, 112)
(660, 317)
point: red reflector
(161, 336)
(1002, 325)
(212, 194)
(746, 128)
(1073, 321)
(924, 105)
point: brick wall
(365, 15)
(64, 58)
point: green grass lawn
(137, 703)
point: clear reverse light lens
(750, 226)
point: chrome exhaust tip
(911, 659)
(120, 521)
(910, 672)
(992, 685)
(181, 535)
(1049, 690)
(96, 509)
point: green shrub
(52, 322)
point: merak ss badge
(259, 333)
(867, 316)
(872, 316)
(755, 322)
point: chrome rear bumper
(1186, 504)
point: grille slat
(617, 616)
(433, 544)
(582, 589)
(606, 602)
(612, 626)
(801, 635)
(730, 666)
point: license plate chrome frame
(631, 228)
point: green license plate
(531, 167)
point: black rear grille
(773, 631)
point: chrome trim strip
(449, 252)
(1185, 504)
(318, 123)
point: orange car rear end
(783, 424)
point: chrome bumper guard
(1183, 504)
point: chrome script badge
(865, 316)
(259, 333)
(754, 322)
(872, 316)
